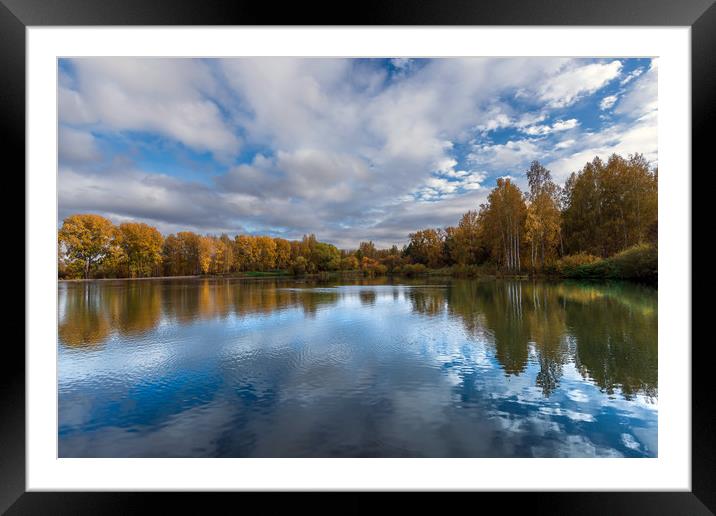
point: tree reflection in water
(608, 331)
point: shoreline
(357, 275)
(79, 280)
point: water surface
(376, 368)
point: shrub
(414, 269)
(575, 260)
(639, 262)
(299, 266)
(467, 271)
(371, 267)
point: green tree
(325, 257)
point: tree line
(605, 208)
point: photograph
(343, 257)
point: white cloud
(401, 133)
(630, 442)
(636, 132)
(642, 97)
(630, 77)
(452, 183)
(77, 146)
(506, 155)
(495, 119)
(473, 181)
(73, 109)
(167, 96)
(402, 63)
(563, 125)
(573, 82)
(623, 139)
(608, 101)
(559, 125)
(564, 144)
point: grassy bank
(638, 263)
(261, 274)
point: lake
(433, 367)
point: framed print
(410, 250)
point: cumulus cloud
(608, 102)
(168, 96)
(450, 183)
(559, 125)
(506, 155)
(77, 146)
(136, 194)
(307, 174)
(574, 82)
(564, 144)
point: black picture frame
(700, 15)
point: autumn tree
(349, 263)
(372, 267)
(543, 219)
(392, 259)
(299, 266)
(246, 253)
(86, 239)
(206, 254)
(265, 253)
(223, 254)
(325, 257)
(426, 247)
(180, 254)
(463, 243)
(610, 205)
(503, 219)
(171, 256)
(141, 246)
(366, 249)
(283, 253)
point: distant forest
(602, 223)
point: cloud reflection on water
(279, 368)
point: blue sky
(348, 149)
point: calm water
(446, 368)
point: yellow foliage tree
(266, 253)
(141, 246)
(86, 239)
